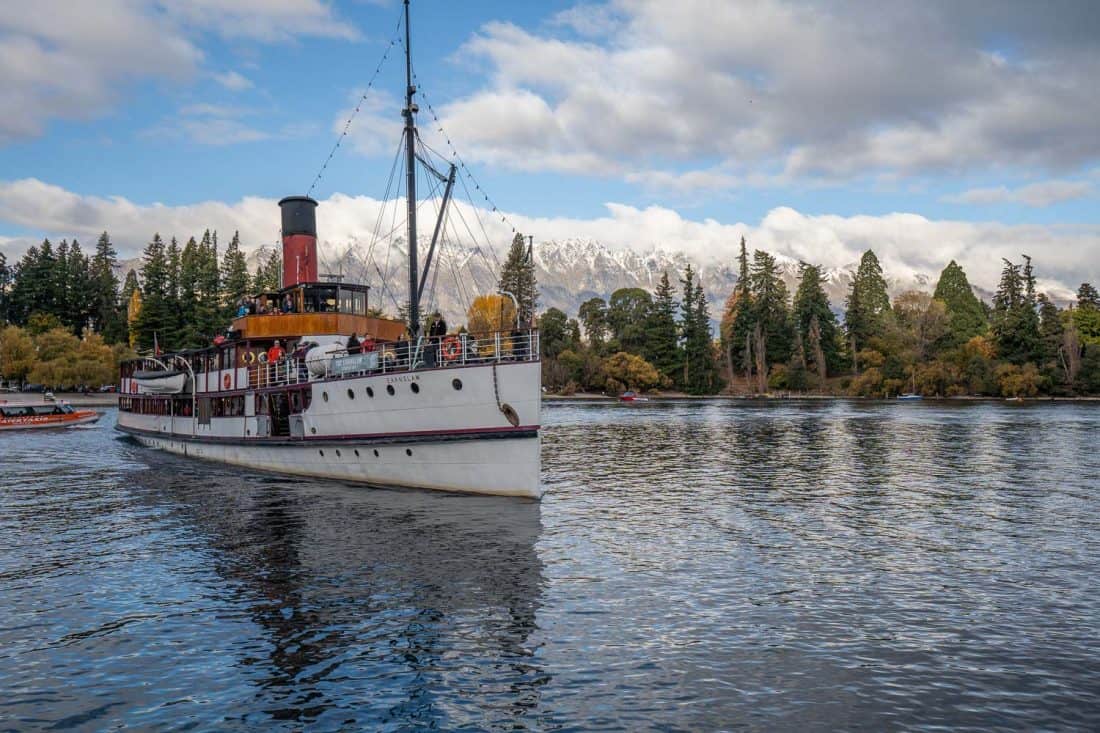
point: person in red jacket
(275, 353)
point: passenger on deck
(275, 353)
(353, 343)
(288, 305)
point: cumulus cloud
(67, 60)
(1040, 194)
(907, 244)
(826, 90)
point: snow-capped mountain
(569, 272)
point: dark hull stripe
(371, 439)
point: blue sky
(147, 112)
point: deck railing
(405, 356)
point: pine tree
(1051, 329)
(5, 291)
(769, 309)
(966, 316)
(269, 274)
(106, 316)
(34, 287)
(1087, 297)
(814, 322)
(662, 348)
(1015, 324)
(867, 308)
(156, 322)
(626, 317)
(517, 276)
(190, 295)
(234, 276)
(741, 317)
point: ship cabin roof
(315, 308)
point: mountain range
(569, 272)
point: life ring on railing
(451, 348)
(226, 381)
(262, 358)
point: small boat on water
(629, 396)
(910, 396)
(44, 415)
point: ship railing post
(496, 345)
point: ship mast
(410, 181)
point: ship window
(389, 389)
(415, 388)
(324, 396)
(351, 394)
(375, 452)
(203, 409)
(456, 383)
(337, 452)
(370, 391)
(408, 451)
(356, 452)
(322, 453)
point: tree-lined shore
(67, 321)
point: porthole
(313, 430)
(322, 453)
(356, 452)
(456, 383)
(351, 393)
(337, 452)
(370, 392)
(389, 389)
(324, 396)
(408, 451)
(415, 388)
(375, 452)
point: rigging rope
(358, 105)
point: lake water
(716, 566)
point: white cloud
(819, 91)
(233, 81)
(1039, 194)
(68, 60)
(907, 244)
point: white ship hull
(439, 429)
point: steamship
(456, 412)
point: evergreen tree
(554, 335)
(269, 274)
(867, 308)
(106, 316)
(965, 314)
(34, 289)
(517, 276)
(741, 317)
(156, 322)
(234, 276)
(1051, 330)
(699, 375)
(1087, 297)
(190, 295)
(1015, 324)
(5, 291)
(769, 308)
(814, 322)
(662, 342)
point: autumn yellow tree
(16, 354)
(490, 313)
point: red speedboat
(44, 415)
(632, 397)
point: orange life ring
(451, 348)
(226, 381)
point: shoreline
(680, 397)
(76, 399)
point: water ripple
(822, 565)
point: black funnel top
(299, 215)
